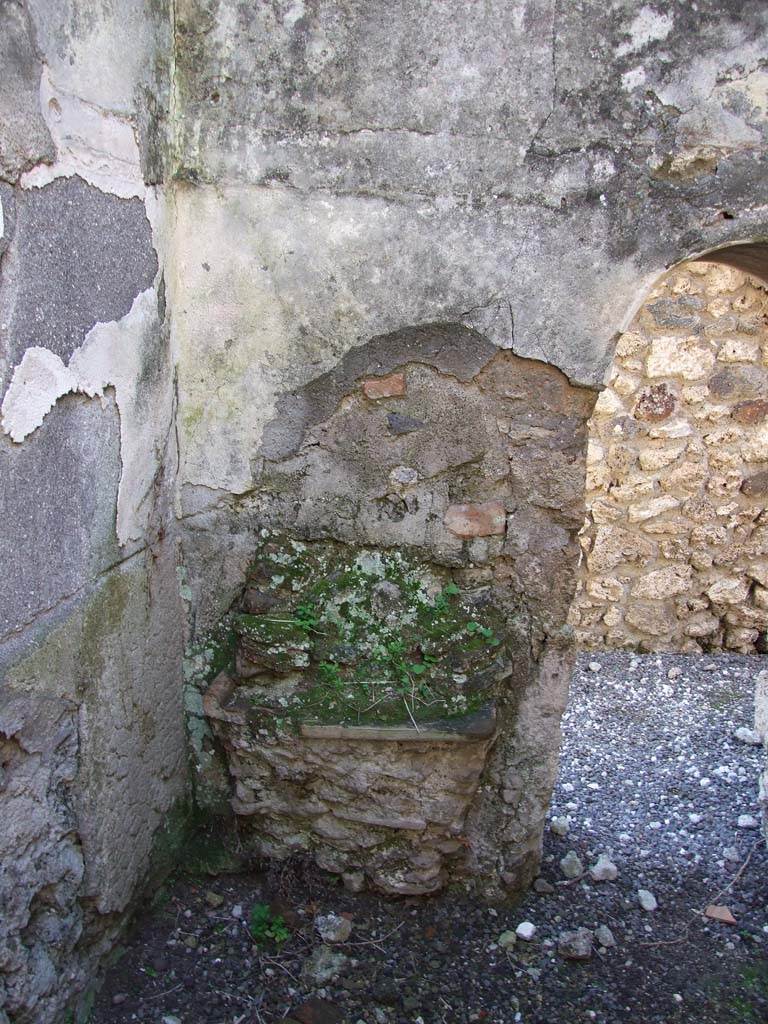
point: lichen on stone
(353, 634)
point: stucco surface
(527, 174)
(69, 235)
(24, 137)
(92, 742)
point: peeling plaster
(93, 143)
(112, 355)
(38, 382)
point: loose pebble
(646, 899)
(333, 928)
(543, 887)
(604, 936)
(604, 870)
(747, 821)
(571, 866)
(575, 945)
(525, 931)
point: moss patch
(375, 636)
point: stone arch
(473, 491)
(751, 257)
(673, 541)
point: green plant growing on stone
(328, 673)
(378, 635)
(476, 630)
(306, 617)
(267, 927)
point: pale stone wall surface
(676, 537)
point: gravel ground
(651, 775)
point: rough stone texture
(92, 742)
(92, 760)
(67, 236)
(38, 755)
(62, 483)
(394, 810)
(509, 440)
(345, 172)
(675, 536)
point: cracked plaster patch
(112, 355)
(93, 143)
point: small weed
(267, 927)
(306, 617)
(329, 674)
(741, 998)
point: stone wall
(470, 460)
(92, 744)
(206, 209)
(676, 537)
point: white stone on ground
(323, 965)
(560, 826)
(525, 931)
(747, 821)
(571, 866)
(333, 928)
(575, 945)
(646, 899)
(604, 870)
(604, 936)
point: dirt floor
(652, 776)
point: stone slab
(469, 729)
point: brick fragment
(482, 520)
(391, 386)
(719, 913)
